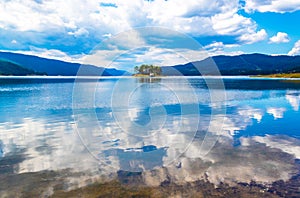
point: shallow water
(184, 129)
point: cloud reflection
(276, 112)
(294, 99)
(57, 147)
(50, 140)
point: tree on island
(150, 70)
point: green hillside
(9, 68)
(245, 64)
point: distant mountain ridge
(53, 67)
(246, 64)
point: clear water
(225, 129)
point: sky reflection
(257, 138)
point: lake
(172, 129)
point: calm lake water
(183, 129)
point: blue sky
(75, 30)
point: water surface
(184, 129)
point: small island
(147, 71)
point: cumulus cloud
(145, 45)
(122, 16)
(217, 48)
(280, 37)
(231, 23)
(295, 50)
(254, 37)
(175, 56)
(92, 21)
(118, 58)
(277, 6)
(14, 42)
(79, 32)
(151, 45)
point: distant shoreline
(262, 77)
(284, 75)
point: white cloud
(144, 45)
(231, 23)
(168, 57)
(150, 45)
(59, 16)
(280, 37)
(254, 37)
(217, 48)
(90, 19)
(14, 42)
(129, 40)
(278, 6)
(295, 50)
(107, 35)
(79, 32)
(187, 16)
(29, 15)
(152, 55)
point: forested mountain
(55, 67)
(8, 68)
(246, 64)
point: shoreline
(97, 77)
(250, 77)
(127, 184)
(284, 75)
(200, 188)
